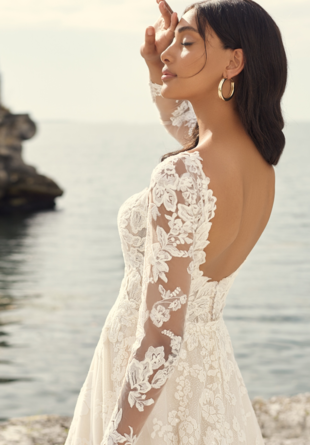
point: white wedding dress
(164, 371)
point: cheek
(196, 76)
(199, 68)
(191, 61)
(195, 68)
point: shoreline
(283, 421)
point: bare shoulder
(239, 178)
(225, 174)
(236, 168)
(226, 183)
(243, 184)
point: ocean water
(60, 270)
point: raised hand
(159, 36)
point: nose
(165, 56)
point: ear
(236, 63)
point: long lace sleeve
(174, 211)
(177, 116)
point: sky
(79, 60)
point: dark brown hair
(260, 85)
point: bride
(164, 370)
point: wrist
(155, 72)
(154, 64)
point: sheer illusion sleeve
(174, 211)
(177, 116)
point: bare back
(244, 185)
(241, 180)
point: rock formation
(22, 189)
(283, 421)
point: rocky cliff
(22, 188)
(283, 421)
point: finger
(168, 7)
(149, 46)
(174, 22)
(165, 14)
(166, 4)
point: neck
(216, 118)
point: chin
(170, 92)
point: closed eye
(186, 43)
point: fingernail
(149, 31)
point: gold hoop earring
(220, 89)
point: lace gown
(164, 372)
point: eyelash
(186, 44)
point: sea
(60, 270)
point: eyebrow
(187, 28)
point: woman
(164, 371)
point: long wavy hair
(260, 85)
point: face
(196, 71)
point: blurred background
(75, 67)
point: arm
(177, 116)
(172, 221)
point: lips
(167, 75)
